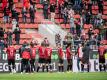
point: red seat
(95, 12)
(77, 16)
(39, 6)
(67, 26)
(37, 1)
(95, 7)
(105, 12)
(105, 7)
(87, 26)
(96, 31)
(15, 1)
(105, 3)
(104, 17)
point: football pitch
(54, 76)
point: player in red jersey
(33, 56)
(26, 56)
(41, 62)
(11, 51)
(102, 51)
(48, 54)
(69, 56)
(60, 56)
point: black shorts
(32, 61)
(11, 61)
(25, 61)
(61, 61)
(48, 61)
(85, 60)
(69, 61)
(101, 60)
(41, 60)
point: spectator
(45, 9)
(52, 11)
(41, 1)
(69, 38)
(72, 25)
(78, 28)
(32, 14)
(2, 45)
(26, 4)
(66, 3)
(100, 6)
(88, 17)
(4, 4)
(15, 14)
(77, 2)
(10, 4)
(93, 2)
(90, 33)
(45, 41)
(6, 14)
(60, 8)
(2, 34)
(9, 37)
(65, 15)
(57, 39)
(90, 7)
(24, 14)
(17, 32)
(77, 6)
(32, 2)
(14, 23)
(99, 23)
(72, 1)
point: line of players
(28, 55)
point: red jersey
(48, 53)
(26, 3)
(4, 4)
(11, 52)
(26, 54)
(68, 53)
(33, 52)
(41, 52)
(60, 53)
(60, 1)
(101, 51)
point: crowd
(77, 35)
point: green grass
(54, 76)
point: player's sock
(31, 68)
(104, 67)
(67, 67)
(34, 68)
(88, 68)
(50, 67)
(62, 68)
(38, 68)
(82, 67)
(100, 67)
(43, 67)
(59, 68)
(9, 68)
(47, 68)
(71, 67)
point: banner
(94, 62)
